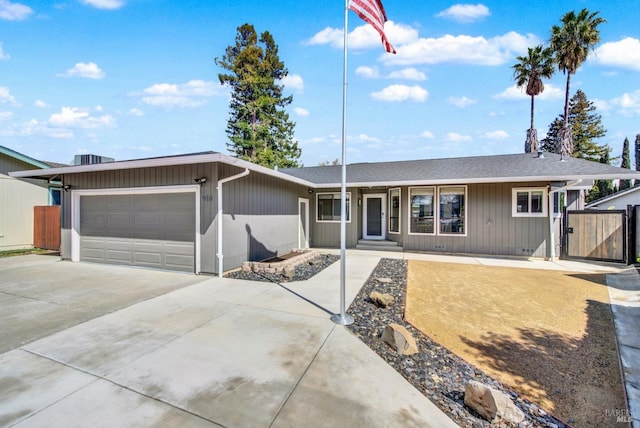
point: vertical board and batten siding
(327, 234)
(260, 217)
(491, 228)
(263, 205)
(17, 199)
(151, 177)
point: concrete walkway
(624, 294)
(217, 353)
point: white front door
(374, 219)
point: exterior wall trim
(75, 211)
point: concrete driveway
(219, 352)
(40, 295)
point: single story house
(617, 201)
(18, 197)
(209, 212)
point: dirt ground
(547, 335)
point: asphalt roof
(477, 169)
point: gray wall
(327, 234)
(491, 227)
(260, 217)
(260, 212)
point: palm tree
(529, 71)
(571, 44)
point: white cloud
(6, 115)
(462, 49)
(327, 36)
(6, 97)
(364, 36)
(104, 4)
(628, 103)
(41, 104)
(495, 135)
(368, 72)
(136, 112)
(366, 139)
(461, 102)
(90, 70)
(408, 74)
(465, 12)
(456, 137)
(184, 95)
(14, 11)
(74, 117)
(3, 54)
(35, 128)
(293, 82)
(550, 92)
(401, 93)
(427, 134)
(302, 112)
(624, 53)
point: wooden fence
(46, 227)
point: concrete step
(367, 244)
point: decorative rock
(400, 339)
(381, 299)
(491, 404)
(289, 271)
(384, 280)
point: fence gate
(597, 235)
(46, 227)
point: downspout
(552, 239)
(219, 190)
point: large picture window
(394, 211)
(452, 202)
(329, 206)
(529, 202)
(422, 218)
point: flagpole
(343, 318)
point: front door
(374, 219)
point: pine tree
(601, 188)
(585, 125)
(258, 127)
(626, 163)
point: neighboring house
(617, 201)
(164, 212)
(18, 197)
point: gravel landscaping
(439, 374)
(436, 372)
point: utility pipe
(219, 190)
(551, 228)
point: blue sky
(136, 78)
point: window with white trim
(529, 202)
(451, 217)
(394, 210)
(329, 207)
(421, 209)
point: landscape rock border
(435, 371)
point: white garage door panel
(151, 230)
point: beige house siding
(17, 199)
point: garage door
(150, 230)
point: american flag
(372, 12)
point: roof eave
(482, 180)
(159, 162)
